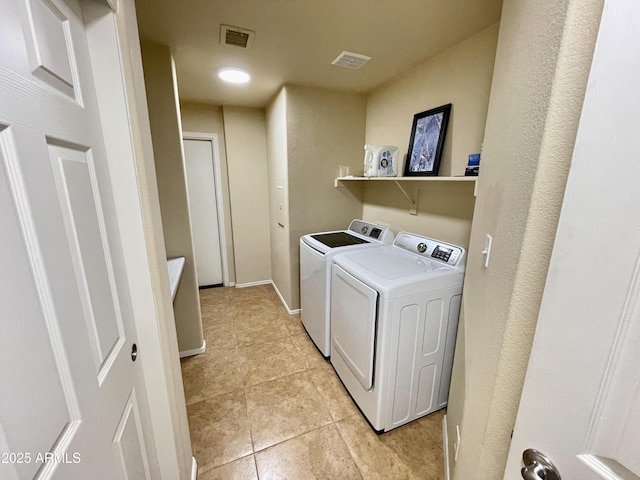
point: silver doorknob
(537, 466)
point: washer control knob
(422, 247)
(364, 230)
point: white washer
(316, 252)
(394, 318)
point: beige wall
(277, 172)
(444, 209)
(246, 144)
(461, 76)
(202, 118)
(538, 87)
(244, 181)
(324, 129)
(164, 117)
(310, 132)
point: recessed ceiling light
(234, 75)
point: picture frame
(427, 141)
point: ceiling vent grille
(350, 60)
(236, 37)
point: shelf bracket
(413, 209)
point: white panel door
(70, 393)
(199, 160)
(581, 399)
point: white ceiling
(296, 40)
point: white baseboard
(270, 282)
(445, 447)
(195, 351)
(289, 311)
(194, 469)
(253, 284)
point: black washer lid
(338, 239)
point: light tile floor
(264, 404)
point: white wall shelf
(404, 179)
(413, 209)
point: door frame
(596, 361)
(217, 180)
(113, 42)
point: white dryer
(316, 252)
(394, 319)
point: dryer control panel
(371, 230)
(428, 247)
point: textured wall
(461, 76)
(324, 129)
(245, 132)
(444, 209)
(164, 117)
(277, 171)
(542, 63)
(310, 132)
(208, 119)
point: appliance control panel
(428, 247)
(371, 230)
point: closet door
(199, 161)
(353, 324)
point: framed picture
(426, 142)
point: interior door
(70, 403)
(198, 155)
(353, 324)
(581, 400)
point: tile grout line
(246, 405)
(236, 348)
(229, 305)
(306, 368)
(353, 458)
(245, 386)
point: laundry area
(301, 239)
(264, 403)
(363, 314)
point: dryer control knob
(422, 247)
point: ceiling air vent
(350, 60)
(236, 37)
